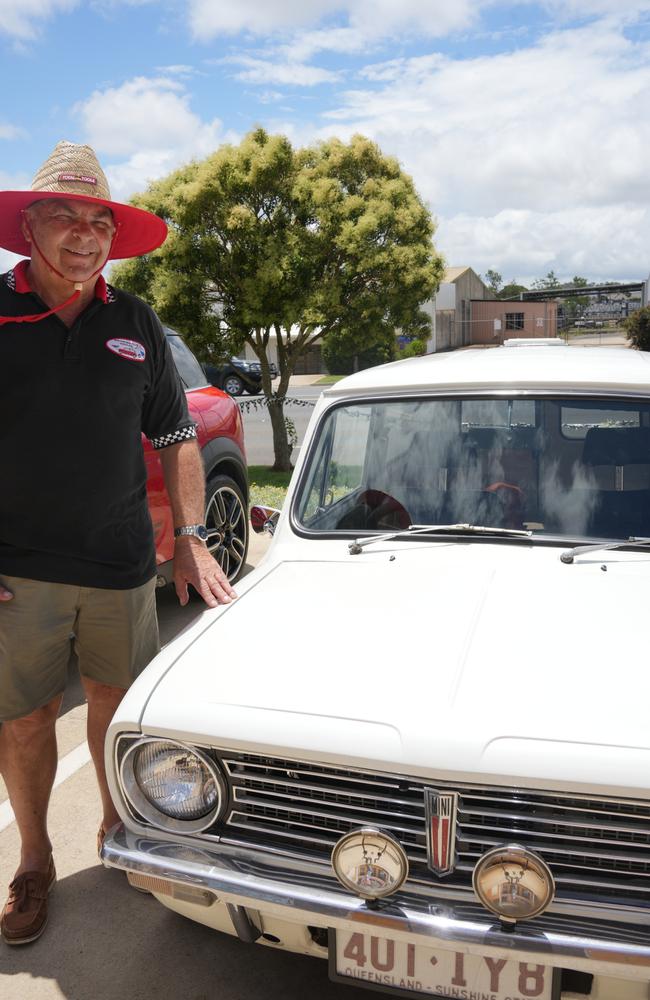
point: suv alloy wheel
(225, 512)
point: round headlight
(173, 786)
(370, 863)
(513, 883)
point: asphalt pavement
(258, 434)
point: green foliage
(550, 281)
(303, 243)
(292, 433)
(414, 349)
(512, 290)
(267, 487)
(637, 328)
(493, 280)
(342, 355)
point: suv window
(190, 371)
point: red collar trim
(22, 285)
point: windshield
(572, 467)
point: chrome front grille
(598, 849)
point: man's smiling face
(74, 236)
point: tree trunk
(281, 449)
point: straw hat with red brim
(73, 172)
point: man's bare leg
(28, 760)
(102, 703)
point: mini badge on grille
(441, 809)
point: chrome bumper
(284, 889)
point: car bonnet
(519, 663)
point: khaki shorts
(114, 633)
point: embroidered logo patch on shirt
(129, 349)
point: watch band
(196, 530)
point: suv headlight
(172, 785)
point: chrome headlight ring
(208, 781)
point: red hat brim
(140, 232)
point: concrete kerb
(304, 380)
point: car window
(190, 371)
(332, 479)
(569, 467)
(497, 413)
(576, 420)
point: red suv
(221, 438)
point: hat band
(78, 179)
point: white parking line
(67, 766)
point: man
(84, 369)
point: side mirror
(264, 519)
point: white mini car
(439, 779)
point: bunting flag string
(263, 402)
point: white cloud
(597, 8)
(144, 114)
(361, 22)
(178, 69)
(8, 131)
(363, 18)
(269, 96)
(209, 18)
(14, 181)
(144, 129)
(270, 71)
(134, 174)
(22, 20)
(556, 131)
(609, 243)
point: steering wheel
(512, 502)
(384, 511)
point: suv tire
(225, 511)
(233, 385)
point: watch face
(202, 532)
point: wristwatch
(197, 530)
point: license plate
(385, 964)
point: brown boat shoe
(24, 916)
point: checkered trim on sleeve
(10, 280)
(174, 437)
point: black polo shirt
(73, 404)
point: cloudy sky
(525, 125)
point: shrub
(413, 349)
(637, 328)
(339, 354)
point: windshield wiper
(568, 556)
(358, 545)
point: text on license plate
(398, 965)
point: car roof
(528, 368)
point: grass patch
(329, 379)
(267, 487)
